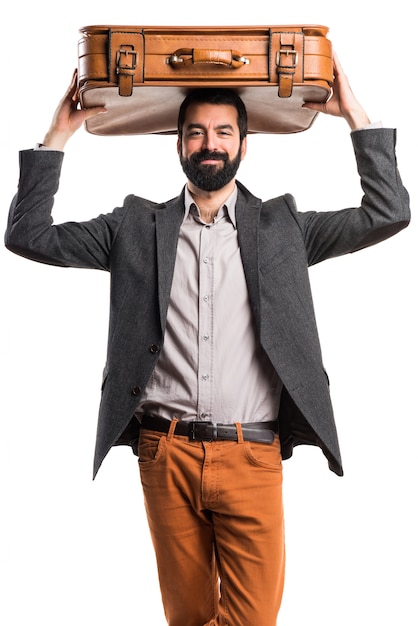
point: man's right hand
(343, 103)
(68, 118)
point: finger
(92, 111)
(73, 90)
(314, 106)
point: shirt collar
(229, 204)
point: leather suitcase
(141, 74)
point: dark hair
(210, 95)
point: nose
(210, 142)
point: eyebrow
(219, 127)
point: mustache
(203, 155)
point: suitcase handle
(194, 56)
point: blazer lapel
(248, 216)
(168, 222)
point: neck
(209, 202)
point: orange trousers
(215, 514)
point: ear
(243, 148)
(178, 145)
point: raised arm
(68, 118)
(31, 231)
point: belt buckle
(202, 431)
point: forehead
(207, 114)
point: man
(214, 369)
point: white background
(74, 551)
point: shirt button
(205, 337)
(205, 259)
(205, 298)
(205, 376)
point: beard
(210, 177)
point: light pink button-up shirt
(211, 366)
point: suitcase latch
(126, 62)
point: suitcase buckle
(287, 53)
(127, 65)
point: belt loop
(172, 428)
(240, 436)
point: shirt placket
(206, 322)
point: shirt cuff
(371, 125)
(40, 146)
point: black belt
(262, 432)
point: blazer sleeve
(384, 208)
(31, 232)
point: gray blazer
(137, 244)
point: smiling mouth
(210, 161)
(210, 158)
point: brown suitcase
(141, 74)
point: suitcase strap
(289, 51)
(126, 63)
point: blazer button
(136, 391)
(154, 349)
